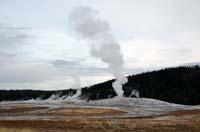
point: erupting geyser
(85, 22)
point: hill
(179, 85)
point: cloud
(23, 72)
(66, 63)
(12, 39)
(5, 54)
(10, 36)
(152, 34)
(77, 65)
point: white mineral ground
(132, 107)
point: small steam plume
(135, 93)
(76, 85)
(87, 24)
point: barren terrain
(142, 115)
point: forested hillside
(177, 85)
(12, 95)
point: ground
(59, 117)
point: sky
(39, 50)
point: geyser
(88, 25)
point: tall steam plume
(87, 24)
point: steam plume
(76, 85)
(87, 24)
(135, 92)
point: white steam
(76, 85)
(87, 24)
(135, 93)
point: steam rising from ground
(87, 24)
(76, 82)
(76, 85)
(135, 93)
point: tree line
(176, 85)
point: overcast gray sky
(38, 50)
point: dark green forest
(13, 95)
(179, 85)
